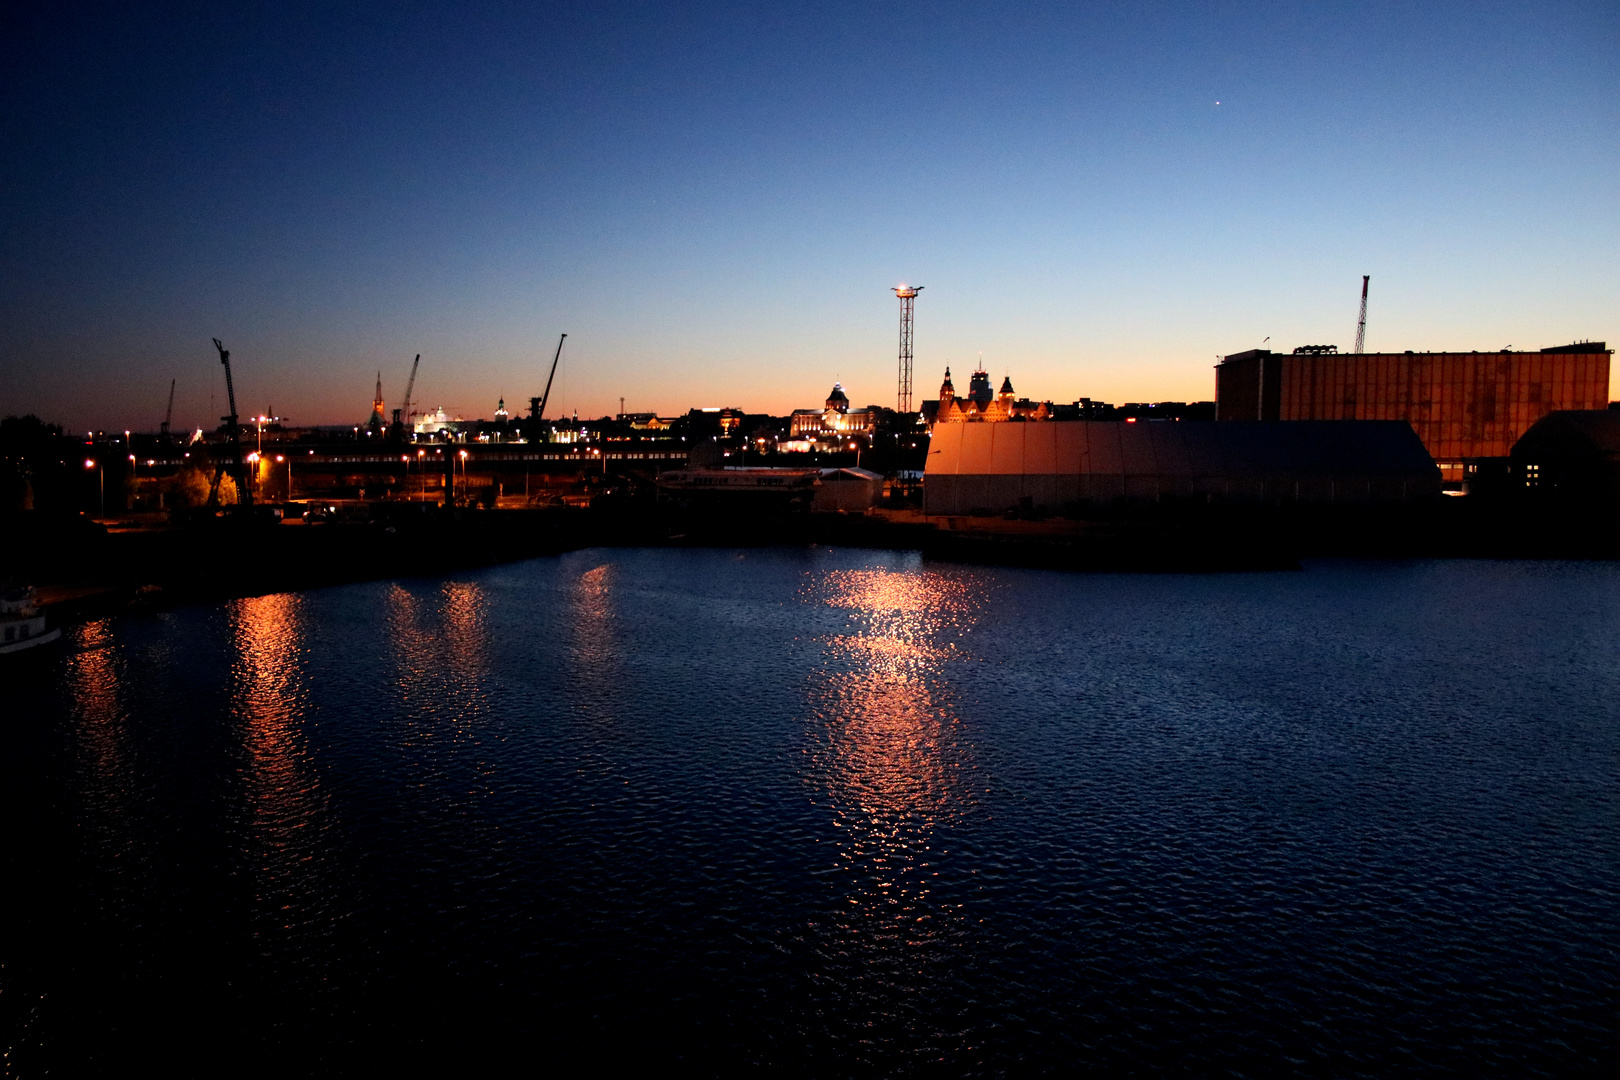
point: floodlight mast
(908, 297)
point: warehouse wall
(995, 467)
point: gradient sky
(714, 200)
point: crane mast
(169, 414)
(1361, 321)
(410, 385)
(537, 405)
(244, 492)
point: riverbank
(85, 567)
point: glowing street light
(101, 477)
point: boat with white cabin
(22, 624)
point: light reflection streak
(890, 756)
(105, 770)
(287, 827)
(596, 652)
(441, 655)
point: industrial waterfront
(827, 811)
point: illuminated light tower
(908, 297)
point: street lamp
(101, 476)
(289, 475)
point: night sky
(714, 200)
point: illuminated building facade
(980, 405)
(1462, 405)
(834, 423)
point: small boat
(22, 624)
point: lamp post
(135, 481)
(101, 478)
(463, 456)
(289, 475)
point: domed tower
(947, 392)
(838, 401)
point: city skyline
(715, 203)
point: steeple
(947, 392)
(377, 421)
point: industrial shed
(1571, 452)
(991, 468)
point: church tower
(947, 392)
(378, 421)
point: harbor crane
(233, 462)
(410, 384)
(163, 429)
(1361, 322)
(537, 405)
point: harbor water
(829, 812)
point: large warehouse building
(1462, 405)
(991, 468)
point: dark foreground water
(830, 812)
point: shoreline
(82, 569)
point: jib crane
(537, 405)
(244, 491)
(405, 402)
(169, 415)
(1361, 321)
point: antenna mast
(908, 297)
(1361, 323)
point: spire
(1006, 385)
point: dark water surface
(831, 812)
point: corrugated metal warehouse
(977, 468)
(1462, 405)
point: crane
(244, 493)
(169, 415)
(410, 384)
(1361, 323)
(537, 405)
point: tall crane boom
(410, 385)
(169, 414)
(1361, 321)
(244, 492)
(537, 406)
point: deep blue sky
(714, 199)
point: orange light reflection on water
(286, 843)
(104, 767)
(890, 756)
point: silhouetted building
(1574, 454)
(1462, 405)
